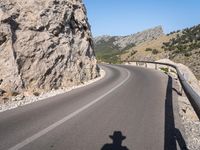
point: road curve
(129, 109)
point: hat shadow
(117, 138)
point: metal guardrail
(193, 97)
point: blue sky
(124, 17)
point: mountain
(108, 48)
(122, 42)
(44, 45)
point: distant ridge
(122, 42)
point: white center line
(56, 124)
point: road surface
(130, 108)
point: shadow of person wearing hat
(117, 138)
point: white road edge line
(56, 124)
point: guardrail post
(181, 91)
(181, 88)
(145, 65)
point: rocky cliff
(44, 45)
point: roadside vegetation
(165, 70)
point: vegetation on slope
(185, 48)
(184, 43)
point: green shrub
(188, 54)
(165, 70)
(148, 49)
(36, 93)
(133, 53)
(155, 51)
(14, 93)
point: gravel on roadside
(21, 100)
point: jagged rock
(44, 45)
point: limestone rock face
(44, 45)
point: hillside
(185, 48)
(150, 50)
(180, 46)
(108, 48)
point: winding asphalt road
(127, 109)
